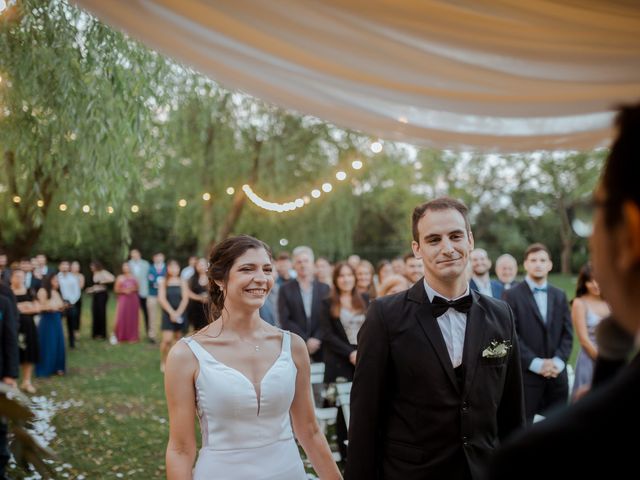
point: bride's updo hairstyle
(222, 257)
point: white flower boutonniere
(497, 349)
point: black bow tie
(440, 305)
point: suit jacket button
(465, 440)
(465, 407)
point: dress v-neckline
(257, 391)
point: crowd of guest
(321, 301)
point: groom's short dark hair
(442, 203)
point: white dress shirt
(69, 287)
(453, 325)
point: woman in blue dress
(52, 351)
(587, 310)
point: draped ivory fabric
(501, 75)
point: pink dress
(127, 313)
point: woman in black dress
(198, 296)
(173, 297)
(27, 330)
(101, 278)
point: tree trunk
(566, 234)
(239, 197)
(29, 234)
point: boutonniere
(497, 349)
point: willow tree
(77, 103)
(215, 139)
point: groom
(438, 383)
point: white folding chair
(325, 416)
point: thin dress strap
(198, 350)
(286, 341)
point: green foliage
(90, 117)
(76, 99)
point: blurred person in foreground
(594, 437)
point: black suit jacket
(8, 334)
(410, 420)
(291, 309)
(553, 338)
(335, 345)
(591, 439)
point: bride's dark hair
(222, 257)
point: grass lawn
(110, 417)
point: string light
(376, 147)
(299, 202)
(284, 242)
(271, 206)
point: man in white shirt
(140, 270)
(70, 292)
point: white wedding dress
(246, 436)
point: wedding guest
(506, 271)
(364, 279)
(341, 319)
(101, 278)
(50, 335)
(480, 280)
(5, 271)
(140, 270)
(324, 270)
(599, 428)
(383, 270)
(284, 268)
(353, 260)
(27, 331)
(437, 384)
(198, 296)
(247, 380)
(545, 334)
(393, 284)
(128, 308)
(413, 268)
(397, 264)
(71, 292)
(75, 269)
(157, 273)
(8, 360)
(42, 265)
(188, 271)
(299, 302)
(587, 310)
(173, 297)
(31, 282)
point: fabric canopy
(501, 75)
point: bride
(245, 379)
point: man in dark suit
(594, 437)
(480, 280)
(299, 302)
(545, 333)
(437, 384)
(8, 359)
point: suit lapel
(474, 341)
(430, 326)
